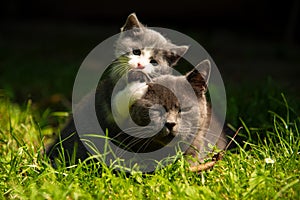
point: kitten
(144, 50)
(189, 119)
(138, 50)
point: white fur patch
(125, 98)
(143, 59)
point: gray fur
(197, 124)
(134, 35)
(191, 121)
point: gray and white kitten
(144, 49)
(139, 49)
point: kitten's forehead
(173, 83)
(148, 52)
(177, 85)
(160, 95)
(171, 90)
(151, 37)
(140, 39)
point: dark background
(275, 19)
(42, 43)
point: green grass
(265, 166)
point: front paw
(138, 76)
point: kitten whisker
(118, 69)
(205, 139)
(136, 130)
(131, 144)
(147, 142)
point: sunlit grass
(264, 166)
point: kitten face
(161, 109)
(145, 60)
(146, 50)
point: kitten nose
(140, 66)
(170, 125)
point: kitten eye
(157, 110)
(153, 62)
(186, 109)
(136, 52)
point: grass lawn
(265, 165)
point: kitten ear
(131, 22)
(199, 77)
(175, 54)
(204, 68)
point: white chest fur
(122, 101)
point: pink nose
(140, 66)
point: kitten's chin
(165, 137)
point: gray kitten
(189, 119)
